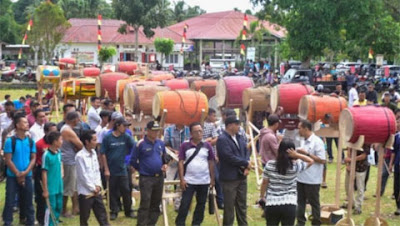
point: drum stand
(54, 104)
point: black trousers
(308, 192)
(40, 201)
(119, 186)
(94, 203)
(284, 214)
(201, 199)
(235, 198)
(151, 189)
(397, 185)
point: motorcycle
(28, 75)
(8, 76)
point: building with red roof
(209, 36)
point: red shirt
(41, 146)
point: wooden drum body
(374, 122)
(230, 90)
(91, 72)
(76, 88)
(208, 86)
(183, 106)
(47, 73)
(161, 77)
(288, 96)
(260, 96)
(175, 84)
(108, 83)
(128, 67)
(321, 107)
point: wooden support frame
(166, 196)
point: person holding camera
(235, 166)
(278, 191)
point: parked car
(345, 66)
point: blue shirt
(21, 156)
(174, 137)
(18, 105)
(115, 149)
(148, 157)
(396, 151)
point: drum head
(156, 106)
(274, 98)
(303, 107)
(221, 93)
(346, 126)
(98, 86)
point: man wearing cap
(115, 146)
(221, 128)
(235, 165)
(269, 141)
(149, 159)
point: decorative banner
(184, 37)
(99, 18)
(244, 33)
(30, 24)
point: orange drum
(161, 77)
(138, 97)
(175, 84)
(183, 106)
(108, 83)
(207, 86)
(192, 79)
(321, 107)
(121, 85)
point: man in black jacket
(235, 166)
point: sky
(222, 5)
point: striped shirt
(282, 189)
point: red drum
(175, 84)
(108, 83)
(288, 96)
(91, 72)
(108, 68)
(128, 67)
(374, 122)
(161, 77)
(230, 90)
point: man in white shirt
(37, 130)
(309, 181)
(93, 113)
(88, 181)
(353, 95)
(5, 119)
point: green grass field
(388, 205)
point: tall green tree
(182, 11)
(139, 14)
(165, 46)
(47, 34)
(10, 30)
(86, 8)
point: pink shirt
(269, 145)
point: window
(171, 59)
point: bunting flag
(184, 37)
(30, 24)
(244, 33)
(99, 18)
(370, 54)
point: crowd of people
(82, 160)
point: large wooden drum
(175, 84)
(108, 68)
(128, 67)
(374, 122)
(76, 88)
(183, 106)
(260, 96)
(161, 77)
(288, 96)
(91, 72)
(208, 86)
(321, 107)
(230, 90)
(121, 86)
(192, 79)
(66, 60)
(47, 73)
(107, 83)
(138, 97)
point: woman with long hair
(279, 188)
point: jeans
(201, 199)
(385, 175)
(235, 201)
(282, 214)
(96, 204)
(40, 201)
(151, 190)
(360, 182)
(308, 192)
(119, 187)
(218, 188)
(25, 195)
(397, 185)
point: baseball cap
(272, 119)
(231, 119)
(153, 125)
(122, 121)
(115, 115)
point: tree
(106, 53)
(10, 31)
(182, 11)
(164, 46)
(46, 33)
(139, 14)
(86, 8)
